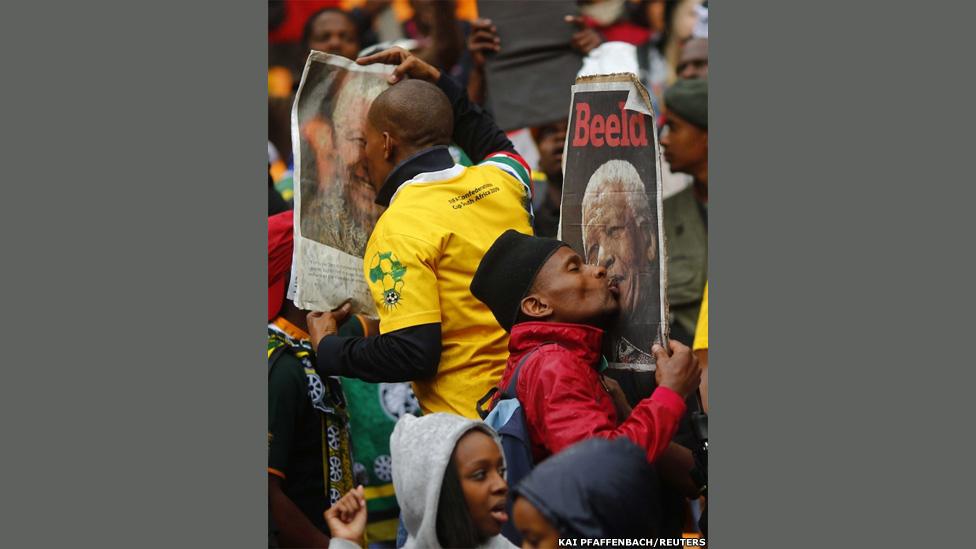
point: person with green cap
(685, 143)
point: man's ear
(536, 307)
(389, 146)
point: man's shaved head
(406, 118)
(416, 113)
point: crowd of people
(377, 433)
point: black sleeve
(474, 129)
(403, 355)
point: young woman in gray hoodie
(449, 475)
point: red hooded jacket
(564, 402)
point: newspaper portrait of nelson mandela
(619, 234)
(337, 200)
(611, 211)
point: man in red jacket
(555, 306)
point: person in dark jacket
(595, 489)
(555, 307)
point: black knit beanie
(507, 271)
(689, 99)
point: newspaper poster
(334, 201)
(612, 208)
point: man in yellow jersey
(440, 220)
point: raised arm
(444, 39)
(567, 410)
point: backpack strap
(480, 406)
(509, 392)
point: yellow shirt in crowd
(433, 235)
(701, 331)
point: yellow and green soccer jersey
(421, 258)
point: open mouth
(498, 513)
(614, 286)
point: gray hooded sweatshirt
(421, 449)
